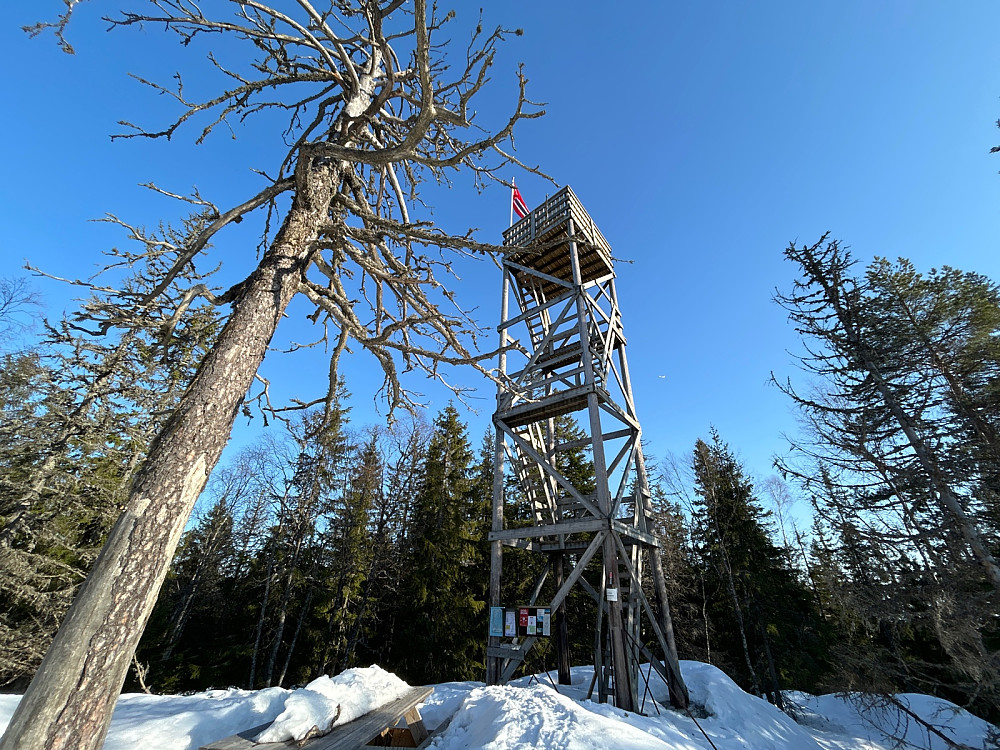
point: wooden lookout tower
(564, 355)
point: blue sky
(702, 138)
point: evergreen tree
(77, 414)
(404, 449)
(903, 459)
(766, 631)
(349, 558)
(443, 593)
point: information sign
(521, 621)
(496, 621)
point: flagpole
(512, 185)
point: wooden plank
(350, 736)
(575, 526)
(561, 547)
(511, 666)
(505, 651)
(631, 532)
(527, 544)
(538, 274)
(415, 723)
(356, 734)
(430, 737)
(244, 740)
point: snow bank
(493, 718)
(869, 719)
(737, 718)
(334, 700)
(148, 721)
(179, 722)
(530, 713)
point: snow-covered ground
(531, 713)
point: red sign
(522, 617)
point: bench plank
(350, 736)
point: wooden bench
(352, 735)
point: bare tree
(18, 305)
(374, 109)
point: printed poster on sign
(496, 621)
(510, 623)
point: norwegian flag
(517, 203)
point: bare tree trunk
(303, 613)
(70, 700)
(182, 612)
(332, 664)
(286, 595)
(731, 585)
(380, 552)
(704, 618)
(260, 622)
(774, 694)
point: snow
(531, 713)
(334, 700)
(834, 713)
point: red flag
(517, 202)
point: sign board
(521, 622)
(496, 622)
(536, 621)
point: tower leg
(619, 661)
(562, 626)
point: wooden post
(493, 664)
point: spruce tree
(901, 456)
(766, 630)
(77, 414)
(443, 594)
(348, 560)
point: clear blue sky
(702, 137)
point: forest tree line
(328, 545)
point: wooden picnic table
(351, 735)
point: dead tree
(374, 110)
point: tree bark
(303, 613)
(69, 703)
